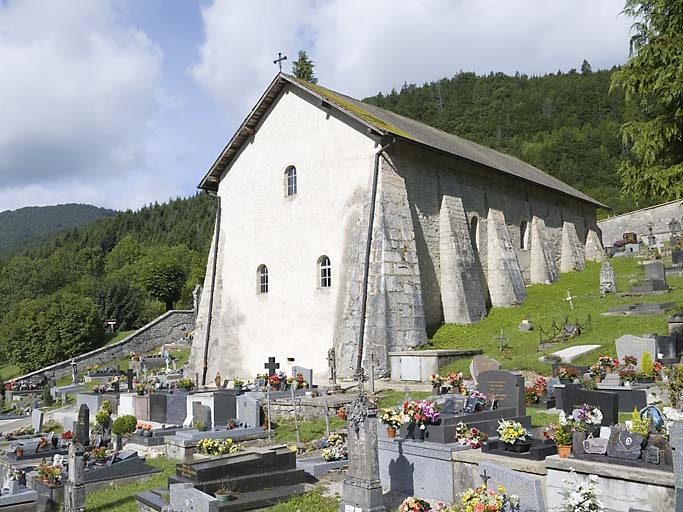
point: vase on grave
(19, 452)
(566, 381)
(146, 433)
(577, 443)
(644, 380)
(391, 432)
(597, 378)
(436, 390)
(563, 450)
(55, 441)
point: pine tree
(302, 68)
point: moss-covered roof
(388, 123)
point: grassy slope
(546, 304)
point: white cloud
(80, 88)
(361, 49)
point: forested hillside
(55, 298)
(566, 124)
(40, 222)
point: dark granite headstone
(574, 396)
(130, 377)
(224, 406)
(83, 425)
(506, 387)
(651, 454)
(677, 256)
(470, 404)
(158, 407)
(666, 346)
(624, 445)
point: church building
(457, 228)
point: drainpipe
(216, 236)
(366, 266)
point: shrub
(103, 418)
(124, 425)
(106, 406)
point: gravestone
(629, 345)
(624, 445)
(574, 396)
(74, 488)
(83, 425)
(130, 377)
(201, 415)
(528, 487)
(482, 364)
(506, 387)
(550, 387)
(37, 420)
(595, 446)
(677, 257)
(249, 410)
(184, 496)
(307, 374)
(271, 366)
(608, 281)
(655, 270)
(666, 347)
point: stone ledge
(438, 353)
(524, 465)
(653, 475)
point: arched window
(474, 232)
(524, 235)
(262, 276)
(325, 272)
(290, 181)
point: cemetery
(579, 409)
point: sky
(121, 103)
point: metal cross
(485, 477)
(501, 339)
(279, 60)
(569, 299)
(271, 366)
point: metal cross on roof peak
(279, 60)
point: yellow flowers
(216, 447)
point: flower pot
(563, 450)
(141, 393)
(146, 433)
(391, 432)
(478, 407)
(19, 452)
(644, 380)
(237, 388)
(566, 380)
(518, 446)
(597, 378)
(225, 497)
(436, 390)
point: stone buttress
(505, 280)
(594, 249)
(542, 267)
(462, 292)
(571, 258)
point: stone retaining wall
(170, 327)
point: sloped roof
(384, 122)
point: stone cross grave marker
(570, 298)
(83, 425)
(271, 366)
(74, 489)
(74, 371)
(371, 365)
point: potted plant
(139, 388)
(437, 382)
(647, 369)
(561, 433)
(514, 435)
(123, 425)
(417, 415)
(392, 419)
(473, 437)
(225, 493)
(580, 496)
(455, 382)
(185, 383)
(567, 374)
(237, 384)
(627, 376)
(99, 454)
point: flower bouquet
(484, 499)
(413, 504)
(391, 417)
(586, 418)
(567, 373)
(514, 435)
(465, 435)
(336, 450)
(417, 414)
(437, 381)
(580, 496)
(455, 381)
(482, 399)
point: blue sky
(120, 103)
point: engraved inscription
(497, 389)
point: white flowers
(581, 497)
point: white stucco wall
(259, 225)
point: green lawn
(546, 304)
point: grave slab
(569, 354)
(529, 488)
